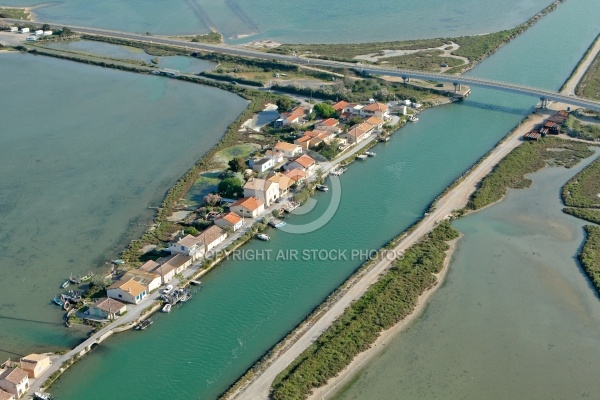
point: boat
(185, 296)
(67, 306)
(322, 188)
(168, 289)
(144, 324)
(338, 172)
(65, 284)
(118, 262)
(276, 223)
(263, 236)
(58, 301)
(87, 277)
(413, 118)
(194, 282)
(42, 396)
(370, 153)
(291, 206)
(361, 157)
(74, 280)
(167, 308)
(383, 139)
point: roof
(262, 161)
(359, 130)
(284, 181)
(258, 184)
(232, 218)
(249, 203)
(296, 174)
(188, 241)
(211, 234)
(294, 114)
(130, 286)
(303, 139)
(273, 153)
(141, 276)
(6, 396)
(375, 121)
(35, 357)
(375, 107)
(109, 305)
(284, 146)
(149, 266)
(175, 261)
(305, 160)
(14, 375)
(329, 122)
(340, 105)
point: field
(583, 190)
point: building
(35, 364)
(264, 190)
(296, 116)
(179, 262)
(353, 109)
(375, 122)
(339, 107)
(47, 33)
(212, 237)
(230, 220)
(39, 32)
(284, 181)
(375, 109)
(188, 246)
(262, 165)
(129, 291)
(24, 30)
(14, 380)
(297, 175)
(107, 308)
(14, 29)
(6, 396)
(304, 163)
(150, 280)
(328, 123)
(165, 271)
(249, 207)
(275, 155)
(358, 133)
(289, 150)
(303, 142)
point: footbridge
(543, 94)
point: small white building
(407, 102)
(107, 308)
(230, 220)
(249, 207)
(212, 237)
(24, 30)
(262, 165)
(264, 190)
(47, 33)
(39, 32)
(189, 246)
(150, 280)
(14, 380)
(129, 291)
(14, 29)
(289, 150)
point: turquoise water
(309, 21)
(83, 152)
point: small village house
(296, 116)
(297, 175)
(165, 271)
(284, 181)
(149, 280)
(275, 155)
(358, 133)
(289, 150)
(129, 291)
(375, 122)
(266, 191)
(6, 396)
(339, 107)
(230, 220)
(179, 262)
(375, 109)
(107, 308)
(353, 109)
(189, 246)
(304, 163)
(249, 207)
(14, 381)
(303, 142)
(262, 165)
(35, 364)
(328, 123)
(212, 237)
(24, 30)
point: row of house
(551, 126)
(14, 376)
(38, 32)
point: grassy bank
(583, 189)
(475, 48)
(586, 214)
(14, 13)
(589, 85)
(590, 255)
(385, 303)
(525, 159)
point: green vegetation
(589, 86)
(590, 255)
(231, 187)
(325, 110)
(525, 159)
(329, 151)
(150, 48)
(385, 303)
(14, 13)
(427, 60)
(575, 128)
(285, 104)
(237, 164)
(212, 37)
(242, 150)
(583, 190)
(586, 214)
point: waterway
(309, 21)
(247, 306)
(83, 152)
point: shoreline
(358, 363)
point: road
(245, 52)
(569, 87)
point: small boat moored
(263, 236)
(370, 153)
(167, 307)
(413, 118)
(276, 223)
(322, 188)
(42, 396)
(168, 289)
(58, 301)
(361, 157)
(74, 280)
(65, 284)
(144, 324)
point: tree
(45, 27)
(230, 187)
(100, 282)
(190, 230)
(284, 104)
(212, 199)
(237, 164)
(355, 120)
(324, 110)
(65, 32)
(329, 151)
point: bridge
(543, 94)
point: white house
(129, 291)
(375, 110)
(304, 163)
(264, 190)
(262, 165)
(295, 116)
(275, 155)
(14, 380)
(39, 32)
(358, 133)
(35, 364)
(14, 29)
(24, 30)
(249, 207)
(189, 246)
(150, 280)
(179, 261)
(289, 150)
(212, 237)
(47, 33)
(165, 271)
(284, 181)
(230, 220)
(107, 308)
(354, 109)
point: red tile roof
(340, 105)
(305, 160)
(249, 203)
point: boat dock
(276, 223)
